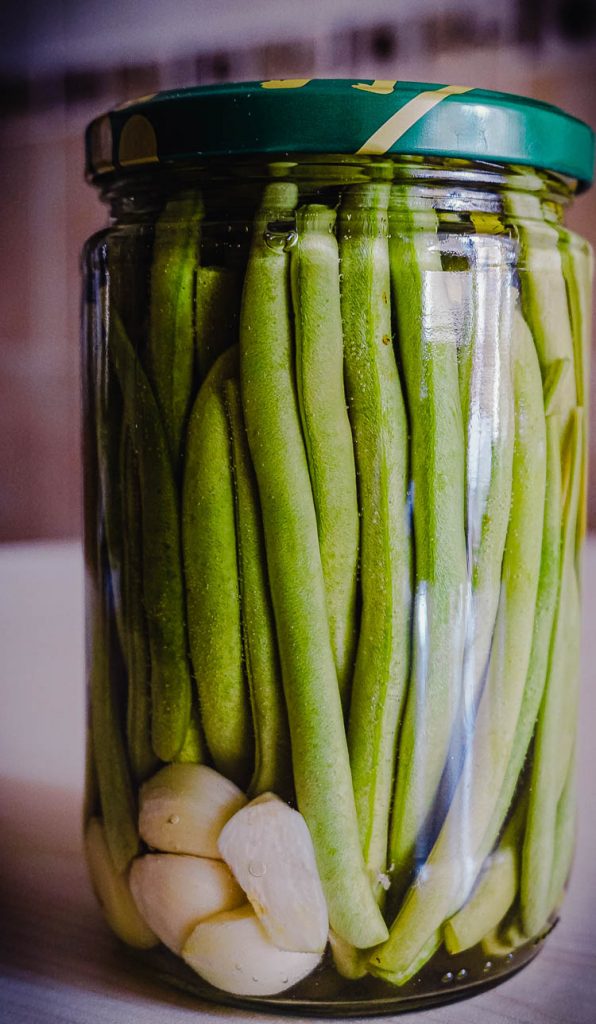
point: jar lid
(339, 116)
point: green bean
(217, 314)
(91, 787)
(92, 333)
(380, 431)
(494, 892)
(211, 571)
(170, 344)
(543, 293)
(406, 974)
(460, 291)
(108, 429)
(548, 587)
(163, 595)
(135, 645)
(325, 424)
(272, 770)
(348, 961)
(556, 727)
(505, 938)
(443, 884)
(554, 384)
(121, 267)
(115, 787)
(193, 750)
(428, 348)
(564, 839)
(319, 749)
(489, 429)
(577, 260)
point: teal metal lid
(339, 116)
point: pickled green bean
(489, 430)
(505, 938)
(91, 331)
(108, 428)
(548, 587)
(116, 793)
(556, 727)
(136, 645)
(494, 891)
(404, 975)
(170, 345)
(163, 595)
(577, 259)
(543, 293)
(91, 786)
(217, 314)
(348, 961)
(193, 750)
(380, 431)
(211, 572)
(325, 424)
(449, 872)
(272, 769)
(564, 839)
(319, 749)
(428, 349)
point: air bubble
(280, 237)
(173, 819)
(447, 977)
(509, 958)
(257, 868)
(462, 974)
(488, 966)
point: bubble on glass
(174, 819)
(462, 974)
(280, 236)
(448, 977)
(488, 966)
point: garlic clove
(232, 952)
(183, 808)
(269, 850)
(173, 892)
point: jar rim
(343, 116)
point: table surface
(58, 962)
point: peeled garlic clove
(174, 892)
(233, 952)
(184, 807)
(112, 891)
(269, 849)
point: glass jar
(335, 455)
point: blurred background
(64, 61)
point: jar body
(336, 450)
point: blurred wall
(63, 62)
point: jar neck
(233, 186)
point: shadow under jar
(335, 357)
